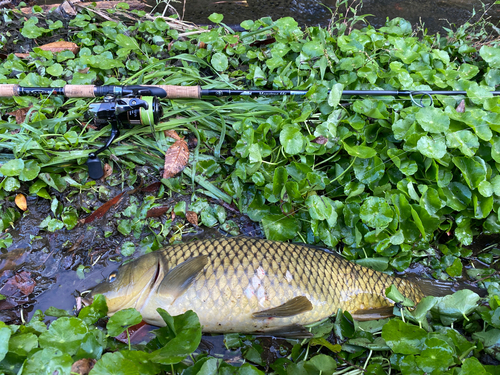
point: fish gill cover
(394, 183)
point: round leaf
(219, 62)
(431, 147)
(12, 167)
(433, 120)
(292, 139)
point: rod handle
(181, 92)
(8, 90)
(79, 91)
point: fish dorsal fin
(372, 314)
(295, 331)
(178, 279)
(292, 307)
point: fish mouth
(87, 300)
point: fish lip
(86, 301)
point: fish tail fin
(437, 288)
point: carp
(251, 285)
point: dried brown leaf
(61, 46)
(155, 186)
(101, 211)
(157, 211)
(176, 158)
(83, 366)
(172, 134)
(461, 107)
(20, 114)
(192, 217)
(108, 171)
(21, 282)
(320, 140)
(21, 202)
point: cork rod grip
(181, 92)
(8, 90)
(79, 91)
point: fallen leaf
(54, 47)
(20, 114)
(461, 107)
(101, 211)
(152, 188)
(61, 46)
(21, 202)
(259, 43)
(176, 158)
(137, 333)
(320, 140)
(83, 366)
(108, 171)
(172, 134)
(84, 71)
(192, 217)
(157, 211)
(21, 282)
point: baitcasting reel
(120, 112)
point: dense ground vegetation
(393, 183)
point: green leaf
(404, 338)
(472, 366)
(128, 248)
(363, 152)
(219, 61)
(30, 171)
(11, 184)
(491, 55)
(335, 95)
(13, 167)
(5, 333)
(394, 294)
(464, 140)
(473, 170)
(456, 306)
(97, 310)
(117, 364)
(64, 334)
(292, 139)
(22, 344)
(432, 147)
(279, 227)
(55, 70)
(48, 361)
(436, 357)
(122, 320)
(216, 17)
(376, 212)
(322, 363)
(126, 42)
(433, 120)
(455, 270)
(188, 338)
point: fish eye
(112, 277)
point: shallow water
(434, 14)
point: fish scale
(238, 277)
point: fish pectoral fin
(295, 331)
(373, 314)
(292, 307)
(177, 280)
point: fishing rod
(124, 106)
